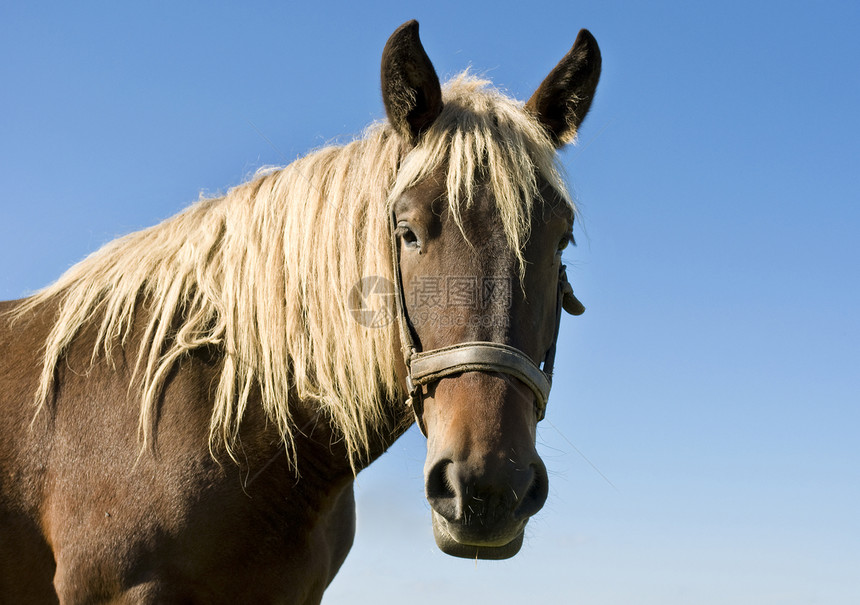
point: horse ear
(563, 98)
(410, 86)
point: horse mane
(264, 272)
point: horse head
(480, 284)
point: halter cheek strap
(425, 367)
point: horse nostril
(440, 491)
(535, 497)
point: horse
(184, 412)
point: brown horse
(183, 413)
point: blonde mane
(264, 272)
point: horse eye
(564, 242)
(408, 236)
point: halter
(425, 367)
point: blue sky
(713, 380)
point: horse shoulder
(109, 520)
(26, 562)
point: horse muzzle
(481, 504)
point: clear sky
(702, 435)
